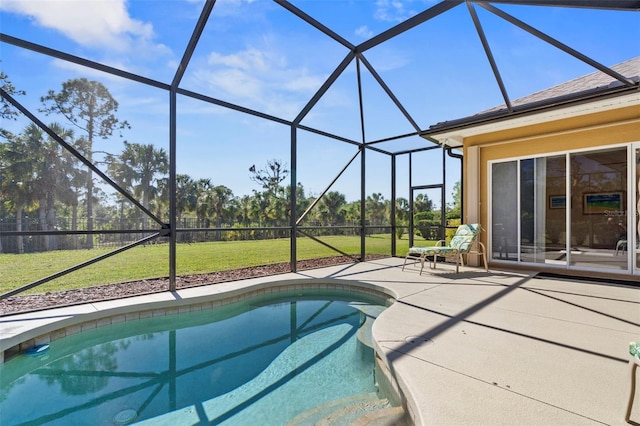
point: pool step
(352, 413)
(391, 416)
(370, 312)
(360, 410)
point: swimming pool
(269, 358)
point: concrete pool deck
(485, 348)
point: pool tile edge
(40, 327)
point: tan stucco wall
(613, 127)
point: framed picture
(557, 202)
(602, 202)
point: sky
(258, 55)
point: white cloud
(236, 82)
(302, 83)
(250, 59)
(392, 11)
(91, 23)
(364, 32)
(260, 78)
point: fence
(70, 234)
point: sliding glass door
(571, 210)
(504, 224)
(543, 210)
(599, 215)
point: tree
(7, 112)
(16, 182)
(271, 176)
(186, 196)
(427, 221)
(331, 208)
(455, 210)
(273, 205)
(244, 210)
(202, 187)
(422, 204)
(89, 106)
(140, 167)
(352, 212)
(36, 175)
(402, 210)
(402, 216)
(302, 202)
(53, 173)
(222, 200)
(259, 207)
(376, 208)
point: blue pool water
(260, 361)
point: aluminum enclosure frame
(355, 53)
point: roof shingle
(596, 80)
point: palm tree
(159, 204)
(17, 179)
(223, 197)
(54, 172)
(42, 174)
(422, 204)
(402, 210)
(352, 212)
(402, 216)
(259, 207)
(75, 178)
(302, 202)
(376, 208)
(202, 187)
(244, 210)
(455, 211)
(216, 201)
(140, 167)
(331, 206)
(186, 196)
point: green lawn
(152, 261)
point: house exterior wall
(598, 129)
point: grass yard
(152, 261)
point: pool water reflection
(260, 359)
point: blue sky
(258, 55)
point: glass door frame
(632, 208)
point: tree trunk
(89, 240)
(42, 217)
(19, 238)
(74, 220)
(51, 222)
(145, 204)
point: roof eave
(480, 122)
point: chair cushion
(460, 242)
(418, 250)
(441, 250)
(634, 350)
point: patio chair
(634, 362)
(460, 245)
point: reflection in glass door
(575, 210)
(598, 182)
(543, 210)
